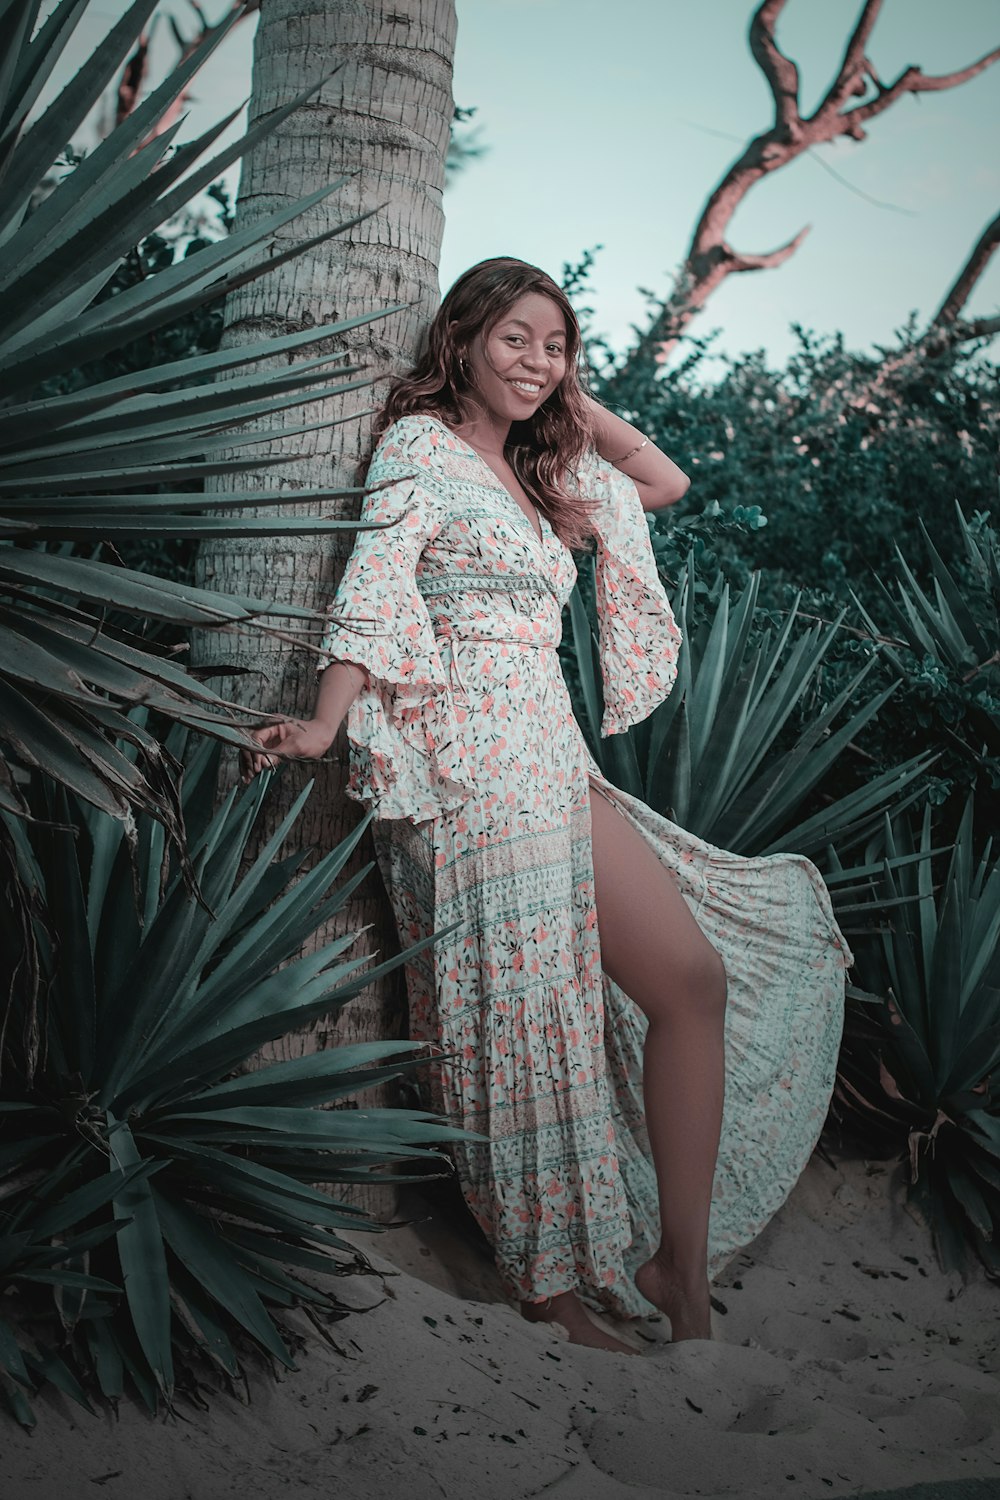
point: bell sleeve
(406, 748)
(639, 637)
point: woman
(583, 995)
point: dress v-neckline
(498, 483)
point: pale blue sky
(609, 123)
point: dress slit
(465, 745)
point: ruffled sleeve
(639, 637)
(406, 749)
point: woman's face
(521, 360)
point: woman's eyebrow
(557, 333)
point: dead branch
(982, 252)
(133, 79)
(781, 73)
(946, 331)
(134, 75)
(710, 257)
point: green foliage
(843, 476)
(851, 467)
(199, 331)
(465, 144)
(717, 756)
(164, 1196)
(860, 465)
(82, 441)
(944, 645)
(922, 1048)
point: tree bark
(383, 117)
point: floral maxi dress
(465, 746)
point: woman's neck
(485, 432)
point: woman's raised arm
(657, 478)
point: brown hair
(543, 448)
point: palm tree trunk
(384, 116)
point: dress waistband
(494, 640)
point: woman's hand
(295, 739)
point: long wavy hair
(545, 448)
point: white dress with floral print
(465, 745)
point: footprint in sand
(789, 1335)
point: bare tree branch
(910, 81)
(134, 75)
(781, 73)
(981, 328)
(944, 334)
(133, 79)
(961, 289)
(710, 257)
(854, 67)
(744, 262)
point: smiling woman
(575, 996)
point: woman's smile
(524, 353)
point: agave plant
(950, 643)
(73, 465)
(712, 757)
(168, 1195)
(921, 1053)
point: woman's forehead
(536, 313)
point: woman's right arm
(307, 739)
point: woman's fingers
(275, 737)
(252, 761)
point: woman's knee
(694, 986)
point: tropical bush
(723, 755)
(165, 1198)
(75, 464)
(817, 476)
(164, 1203)
(918, 1068)
(829, 492)
(942, 642)
(843, 478)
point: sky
(610, 123)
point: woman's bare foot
(686, 1303)
(569, 1312)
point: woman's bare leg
(654, 950)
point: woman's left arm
(656, 477)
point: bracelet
(631, 453)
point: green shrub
(737, 750)
(165, 1196)
(85, 434)
(918, 1068)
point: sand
(845, 1361)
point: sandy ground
(845, 1361)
